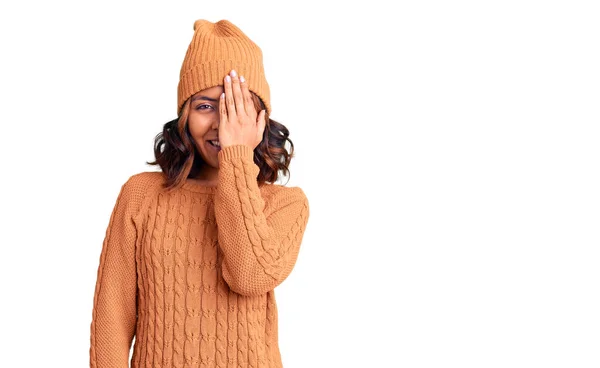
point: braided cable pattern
(170, 259)
(263, 243)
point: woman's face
(203, 122)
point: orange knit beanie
(215, 50)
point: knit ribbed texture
(191, 273)
(216, 49)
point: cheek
(198, 127)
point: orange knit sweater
(191, 273)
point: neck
(208, 175)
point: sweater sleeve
(260, 242)
(114, 309)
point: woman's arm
(114, 310)
(260, 242)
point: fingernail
(228, 79)
(223, 95)
(242, 79)
(233, 73)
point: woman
(192, 254)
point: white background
(449, 151)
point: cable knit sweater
(191, 272)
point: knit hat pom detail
(222, 28)
(199, 23)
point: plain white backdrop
(449, 150)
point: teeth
(216, 143)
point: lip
(217, 149)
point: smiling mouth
(215, 144)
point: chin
(212, 161)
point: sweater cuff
(238, 150)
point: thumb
(261, 121)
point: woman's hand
(239, 122)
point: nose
(215, 121)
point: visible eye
(203, 107)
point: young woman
(193, 253)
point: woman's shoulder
(145, 180)
(141, 186)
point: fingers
(237, 94)
(229, 98)
(240, 120)
(236, 90)
(223, 109)
(248, 102)
(261, 123)
(238, 97)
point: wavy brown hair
(178, 157)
